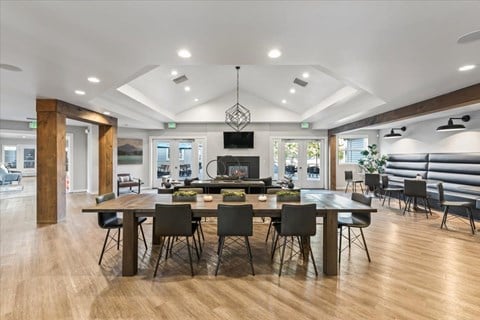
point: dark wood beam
(107, 140)
(455, 99)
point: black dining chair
(353, 182)
(387, 191)
(461, 204)
(414, 190)
(372, 183)
(234, 221)
(110, 220)
(173, 222)
(354, 220)
(296, 222)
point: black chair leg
(118, 238)
(143, 237)
(472, 221)
(196, 247)
(428, 205)
(346, 187)
(201, 231)
(283, 254)
(268, 231)
(274, 245)
(313, 259)
(349, 239)
(170, 239)
(189, 256)
(159, 256)
(103, 248)
(250, 256)
(222, 242)
(365, 244)
(361, 186)
(444, 218)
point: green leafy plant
(233, 194)
(288, 193)
(372, 162)
(184, 193)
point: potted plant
(233, 196)
(372, 161)
(288, 196)
(184, 196)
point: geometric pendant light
(237, 116)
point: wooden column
(332, 150)
(51, 135)
(51, 132)
(107, 138)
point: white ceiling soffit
(394, 51)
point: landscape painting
(130, 151)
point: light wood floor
(417, 272)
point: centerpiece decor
(288, 196)
(233, 196)
(184, 196)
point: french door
(177, 159)
(302, 160)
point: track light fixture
(454, 127)
(393, 134)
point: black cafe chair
(354, 220)
(234, 221)
(174, 222)
(110, 220)
(353, 182)
(387, 191)
(296, 221)
(415, 190)
(460, 204)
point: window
(10, 156)
(349, 149)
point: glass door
(301, 160)
(177, 159)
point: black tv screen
(238, 140)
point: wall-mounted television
(238, 140)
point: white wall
(79, 158)
(372, 136)
(422, 137)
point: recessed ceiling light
(174, 72)
(274, 53)
(292, 90)
(467, 67)
(93, 79)
(187, 88)
(10, 67)
(305, 75)
(284, 101)
(184, 53)
(196, 99)
(80, 92)
(106, 113)
(23, 137)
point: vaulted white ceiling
(362, 57)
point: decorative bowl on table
(234, 196)
(288, 196)
(207, 198)
(184, 196)
(262, 198)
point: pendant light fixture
(237, 116)
(454, 127)
(393, 134)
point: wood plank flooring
(418, 271)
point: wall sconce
(393, 134)
(454, 127)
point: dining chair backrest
(348, 175)
(384, 181)
(441, 195)
(415, 188)
(372, 179)
(197, 190)
(235, 220)
(173, 219)
(298, 220)
(104, 217)
(364, 217)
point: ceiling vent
(300, 82)
(180, 79)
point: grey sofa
(7, 176)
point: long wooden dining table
(143, 205)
